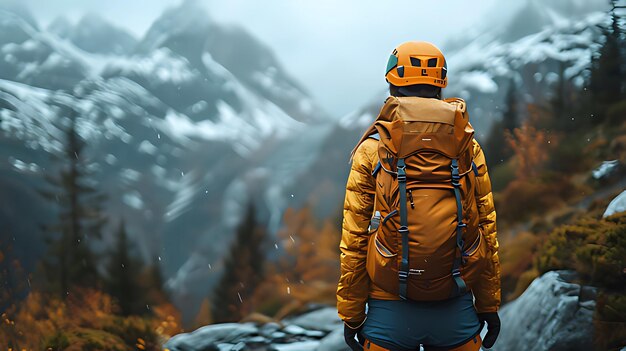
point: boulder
(324, 319)
(209, 337)
(552, 314)
(320, 329)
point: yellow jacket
(354, 286)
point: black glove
(493, 327)
(349, 335)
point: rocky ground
(552, 314)
(319, 329)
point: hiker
(419, 252)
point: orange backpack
(425, 242)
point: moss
(596, 248)
(132, 328)
(84, 339)
(57, 342)
(96, 340)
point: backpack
(425, 242)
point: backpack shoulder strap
(375, 136)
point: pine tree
(243, 271)
(557, 102)
(608, 71)
(70, 260)
(564, 110)
(135, 285)
(123, 272)
(496, 150)
(153, 282)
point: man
(419, 245)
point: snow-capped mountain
(188, 123)
(529, 49)
(192, 34)
(527, 42)
(180, 141)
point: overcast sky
(337, 50)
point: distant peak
(96, 21)
(187, 17)
(92, 17)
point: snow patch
(23, 166)
(161, 64)
(187, 189)
(147, 148)
(110, 159)
(605, 169)
(617, 205)
(356, 120)
(130, 175)
(480, 81)
(194, 268)
(133, 199)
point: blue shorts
(405, 325)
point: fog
(336, 50)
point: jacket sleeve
(353, 287)
(487, 291)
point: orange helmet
(417, 62)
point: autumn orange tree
(87, 320)
(530, 147)
(307, 269)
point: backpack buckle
(374, 222)
(403, 275)
(401, 173)
(403, 230)
(455, 180)
(456, 273)
(454, 167)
